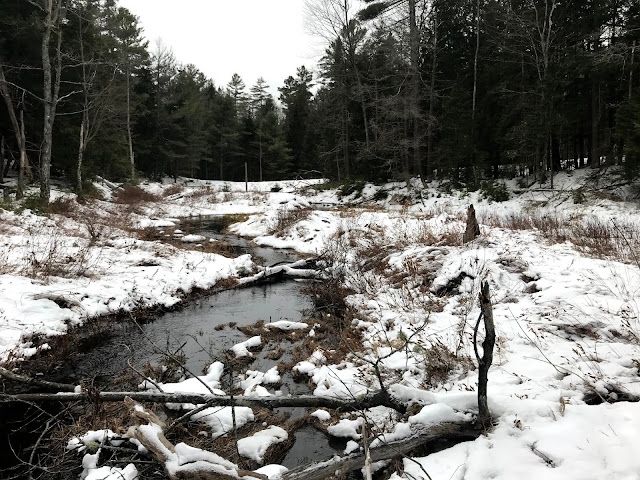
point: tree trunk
(484, 362)
(594, 154)
(22, 169)
(414, 108)
(376, 399)
(340, 467)
(432, 93)
(129, 136)
(18, 130)
(633, 54)
(475, 71)
(51, 85)
(2, 160)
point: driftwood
(343, 465)
(484, 362)
(473, 229)
(377, 399)
(207, 466)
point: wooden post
(486, 311)
(246, 178)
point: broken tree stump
(473, 229)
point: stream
(202, 332)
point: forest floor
(563, 272)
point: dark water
(311, 446)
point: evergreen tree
(296, 96)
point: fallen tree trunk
(36, 382)
(342, 465)
(180, 461)
(279, 273)
(379, 398)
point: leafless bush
(133, 195)
(6, 266)
(200, 192)
(173, 190)
(439, 362)
(287, 218)
(45, 254)
(64, 206)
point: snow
(193, 238)
(346, 428)
(439, 413)
(567, 322)
(220, 419)
(287, 325)
(116, 273)
(112, 473)
(272, 471)
(242, 349)
(255, 446)
(251, 381)
(351, 447)
(322, 415)
(205, 384)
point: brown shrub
(201, 192)
(173, 190)
(287, 218)
(64, 206)
(133, 195)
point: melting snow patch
(242, 349)
(193, 238)
(112, 473)
(220, 419)
(321, 415)
(346, 428)
(287, 325)
(255, 446)
(272, 471)
(437, 413)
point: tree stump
(473, 229)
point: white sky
(255, 38)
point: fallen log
(8, 374)
(281, 272)
(180, 461)
(377, 399)
(340, 466)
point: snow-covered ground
(567, 321)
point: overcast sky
(251, 37)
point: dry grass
(440, 362)
(287, 218)
(174, 189)
(46, 253)
(613, 239)
(66, 207)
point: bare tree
(335, 19)
(535, 24)
(54, 13)
(93, 104)
(18, 129)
